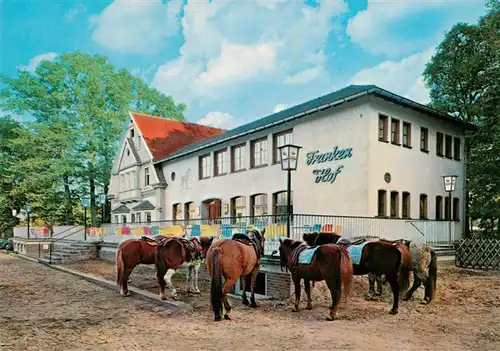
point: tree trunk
(69, 205)
(107, 209)
(92, 193)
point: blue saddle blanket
(306, 256)
(355, 252)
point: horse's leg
(168, 278)
(307, 288)
(380, 282)
(161, 282)
(371, 286)
(393, 281)
(416, 284)
(126, 274)
(253, 281)
(189, 278)
(427, 286)
(228, 285)
(196, 271)
(243, 282)
(296, 282)
(334, 285)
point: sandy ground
(44, 309)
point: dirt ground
(45, 309)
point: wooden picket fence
(478, 253)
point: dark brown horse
(177, 252)
(329, 262)
(132, 252)
(232, 258)
(372, 255)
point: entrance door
(214, 210)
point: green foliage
(79, 103)
(464, 79)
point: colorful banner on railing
(39, 232)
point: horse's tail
(120, 267)
(216, 282)
(433, 275)
(346, 272)
(404, 269)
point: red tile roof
(164, 136)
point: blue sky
(233, 61)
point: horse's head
(258, 235)
(310, 238)
(205, 242)
(287, 245)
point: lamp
(449, 184)
(28, 210)
(289, 155)
(85, 204)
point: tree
(464, 80)
(80, 102)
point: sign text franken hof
(327, 174)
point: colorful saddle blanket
(355, 252)
(306, 256)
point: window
(132, 218)
(456, 209)
(447, 208)
(281, 139)
(280, 206)
(238, 158)
(138, 217)
(395, 131)
(189, 211)
(146, 176)
(439, 144)
(382, 128)
(128, 152)
(259, 205)
(116, 219)
(132, 133)
(204, 166)
(176, 212)
(394, 204)
(424, 139)
(423, 206)
(406, 205)
(259, 152)
(148, 217)
(138, 141)
(439, 207)
(220, 162)
(456, 149)
(124, 220)
(448, 145)
(381, 203)
(406, 134)
(238, 208)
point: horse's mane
(292, 243)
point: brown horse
(132, 252)
(232, 258)
(424, 267)
(329, 262)
(371, 255)
(177, 252)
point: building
(366, 152)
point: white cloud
(220, 120)
(35, 61)
(277, 41)
(136, 26)
(279, 107)
(74, 11)
(402, 77)
(304, 76)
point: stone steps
(65, 250)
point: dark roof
(338, 97)
(145, 205)
(164, 136)
(121, 209)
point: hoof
(197, 292)
(175, 297)
(163, 297)
(124, 294)
(393, 312)
(309, 307)
(370, 297)
(425, 302)
(245, 302)
(217, 319)
(330, 318)
(295, 309)
(227, 318)
(406, 298)
(253, 305)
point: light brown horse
(132, 252)
(232, 258)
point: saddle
(155, 240)
(193, 250)
(250, 241)
(295, 256)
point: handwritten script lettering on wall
(327, 174)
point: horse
(424, 267)
(132, 252)
(177, 252)
(372, 255)
(239, 256)
(329, 262)
(320, 238)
